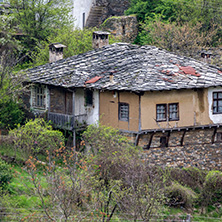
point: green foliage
(39, 19)
(11, 114)
(212, 190)
(177, 13)
(5, 175)
(111, 151)
(77, 41)
(191, 177)
(178, 195)
(36, 136)
(143, 8)
(118, 172)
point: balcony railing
(68, 122)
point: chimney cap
(101, 33)
(57, 45)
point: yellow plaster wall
(109, 110)
(202, 107)
(193, 108)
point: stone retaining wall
(124, 27)
(112, 8)
(200, 148)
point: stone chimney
(55, 52)
(100, 39)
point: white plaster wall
(216, 118)
(80, 7)
(79, 102)
(91, 111)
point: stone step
(94, 16)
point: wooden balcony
(68, 122)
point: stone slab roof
(134, 68)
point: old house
(161, 99)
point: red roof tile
(189, 70)
(94, 79)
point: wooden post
(73, 113)
(49, 101)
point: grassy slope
(23, 204)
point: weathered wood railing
(65, 121)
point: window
(39, 97)
(167, 112)
(173, 111)
(217, 102)
(88, 97)
(161, 112)
(123, 111)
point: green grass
(7, 150)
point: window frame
(217, 101)
(39, 97)
(88, 101)
(177, 112)
(167, 112)
(120, 110)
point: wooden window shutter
(33, 96)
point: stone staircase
(94, 17)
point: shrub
(212, 191)
(35, 137)
(5, 174)
(11, 114)
(112, 150)
(190, 177)
(178, 195)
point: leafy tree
(62, 188)
(11, 114)
(178, 13)
(38, 19)
(121, 177)
(143, 8)
(182, 38)
(77, 41)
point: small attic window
(88, 97)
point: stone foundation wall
(197, 148)
(206, 156)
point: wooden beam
(151, 138)
(137, 139)
(49, 102)
(214, 134)
(73, 113)
(182, 138)
(140, 112)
